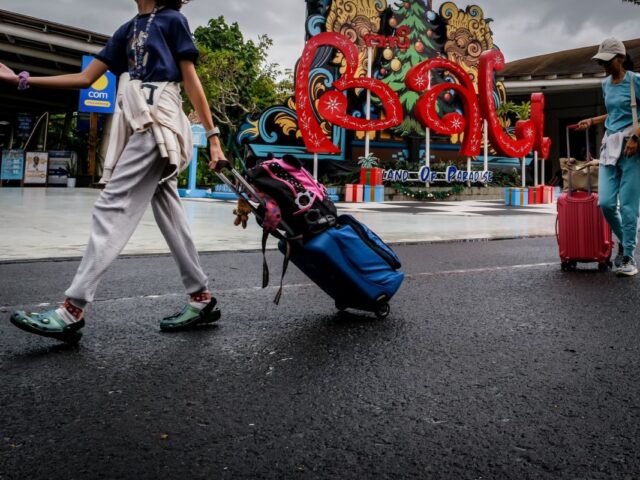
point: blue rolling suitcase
(347, 261)
(352, 265)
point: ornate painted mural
(404, 34)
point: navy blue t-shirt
(169, 41)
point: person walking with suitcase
(157, 51)
(619, 172)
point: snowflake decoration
(332, 105)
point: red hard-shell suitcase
(583, 233)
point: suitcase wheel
(570, 266)
(383, 311)
(605, 267)
(341, 307)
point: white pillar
(427, 138)
(524, 181)
(469, 171)
(535, 168)
(315, 166)
(486, 145)
(368, 107)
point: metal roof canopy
(43, 48)
(560, 71)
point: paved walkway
(54, 223)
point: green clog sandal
(190, 317)
(48, 324)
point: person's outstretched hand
(242, 212)
(7, 75)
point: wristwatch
(214, 132)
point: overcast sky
(521, 28)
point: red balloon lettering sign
(332, 105)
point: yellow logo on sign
(101, 83)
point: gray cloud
(521, 28)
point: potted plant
(72, 171)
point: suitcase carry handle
(222, 164)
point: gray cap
(609, 49)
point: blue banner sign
(101, 96)
(451, 175)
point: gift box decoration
(371, 176)
(516, 196)
(374, 193)
(546, 194)
(353, 193)
(534, 196)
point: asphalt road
(493, 364)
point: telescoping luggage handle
(587, 165)
(249, 197)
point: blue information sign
(101, 96)
(12, 165)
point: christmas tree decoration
(393, 22)
(412, 15)
(387, 54)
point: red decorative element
(353, 193)
(393, 22)
(400, 40)
(383, 71)
(542, 144)
(333, 104)
(371, 176)
(419, 46)
(452, 123)
(493, 61)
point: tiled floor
(55, 223)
